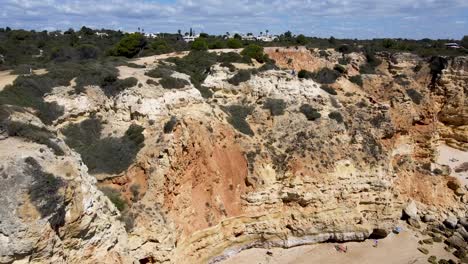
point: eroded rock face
(51, 210)
(255, 165)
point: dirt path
(401, 248)
(6, 78)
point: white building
(151, 35)
(452, 45)
(102, 34)
(267, 38)
(248, 37)
(189, 38)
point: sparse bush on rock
(415, 96)
(357, 79)
(328, 89)
(115, 197)
(173, 83)
(276, 106)
(159, 72)
(336, 116)
(237, 115)
(255, 52)
(240, 76)
(310, 112)
(169, 126)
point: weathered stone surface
(456, 242)
(428, 218)
(411, 210)
(451, 221)
(425, 251)
(462, 231)
(204, 189)
(464, 222)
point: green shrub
(357, 79)
(32, 133)
(237, 116)
(134, 133)
(328, 89)
(310, 112)
(336, 116)
(115, 197)
(199, 44)
(276, 106)
(169, 126)
(95, 74)
(87, 51)
(301, 40)
(217, 45)
(160, 46)
(22, 69)
(372, 63)
(241, 76)
(234, 43)
(159, 72)
(173, 83)
(103, 155)
(345, 49)
(29, 91)
(134, 65)
(304, 74)
(325, 76)
(228, 65)
(129, 46)
(230, 57)
(120, 85)
(197, 64)
(415, 96)
(267, 67)
(152, 82)
(255, 52)
(205, 92)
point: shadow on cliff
(45, 195)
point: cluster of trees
(34, 48)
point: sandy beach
(395, 248)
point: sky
(362, 19)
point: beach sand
(395, 248)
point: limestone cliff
(273, 161)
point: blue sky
(323, 18)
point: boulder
(451, 221)
(462, 231)
(411, 210)
(460, 253)
(428, 218)
(459, 192)
(414, 223)
(425, 251)
(464, 222)
(456, 242)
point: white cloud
(227, 15)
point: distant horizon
(230, 32)
(349, 19)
